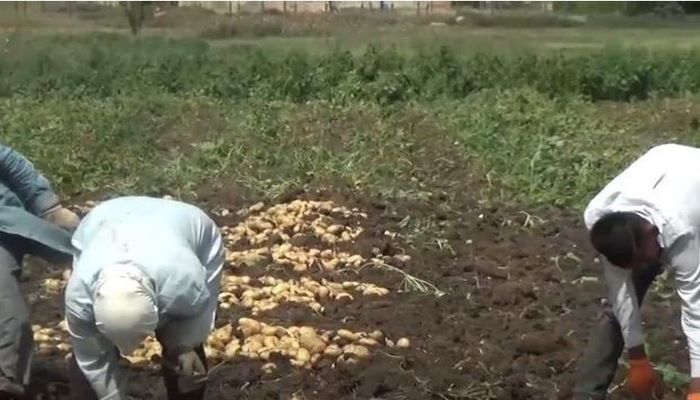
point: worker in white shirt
(143, 266)
(646, 217)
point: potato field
(401, 201)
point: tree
(135, 13)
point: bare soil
(512, 325)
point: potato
(297, 363)
(270, 342)
(216, 343)
(46, 349)
(368, 342)
(376, 335)
(344, 297)
(232, 349)
(224, 333)
(41, 337)
(328, 238)
(256, 207)
(64, 347)
(335, 229)
(403, 343)
(357, 351)
(389, 343)
(47, 331)
(317, 307)
(323, 293)
(303, 355)
(313, 343)
(254, 260)
(300, 267)
(350, 284)
(375, 291)
(273, 331)
(355, 259)
(282, 287)
(348, 335)
(249, 327)
(333, 350)
(269, 368)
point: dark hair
(617, 235)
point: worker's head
(125, 307)
(626, 240)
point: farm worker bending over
(143, 266)
(31, 219)
(646, 217)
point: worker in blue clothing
(32, 221)
(143, 266)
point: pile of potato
(303, 346)
(299, 258)
(239, 290)
(52, 341)
(296, 218)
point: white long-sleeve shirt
(176, 245)
(663, 187)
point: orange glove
(643, 381)
(693, 396)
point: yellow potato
(273, 331)
(249, 326)
(317, 307)
(256, 207)
(303, 355)
(403, 343)
(350, 284)
(224, 333)
(377, 335)
(335, 229)
(269, 368)
(63, 347)
(47, 331)
(328, 238)
(41, 337)
(344, 297)
(333, 350)
(375, 291)
(323, 293)
(282, 287)
(347, 335)
(270, 342)
(232, 349)
(389, 343)
(297, 363)
(357, 351)
(313, 343)
(368, 342)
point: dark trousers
(81, 389)
(16, 337)
(596, 369)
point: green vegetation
(110, 65)
(104, 113)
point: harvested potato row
(237, 290)
(290, 219)
(303, 346)
(51, 341)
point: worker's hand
(191, 371)
(643, 382)
(62, 217)
(694, 396)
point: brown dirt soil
(512, 325)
